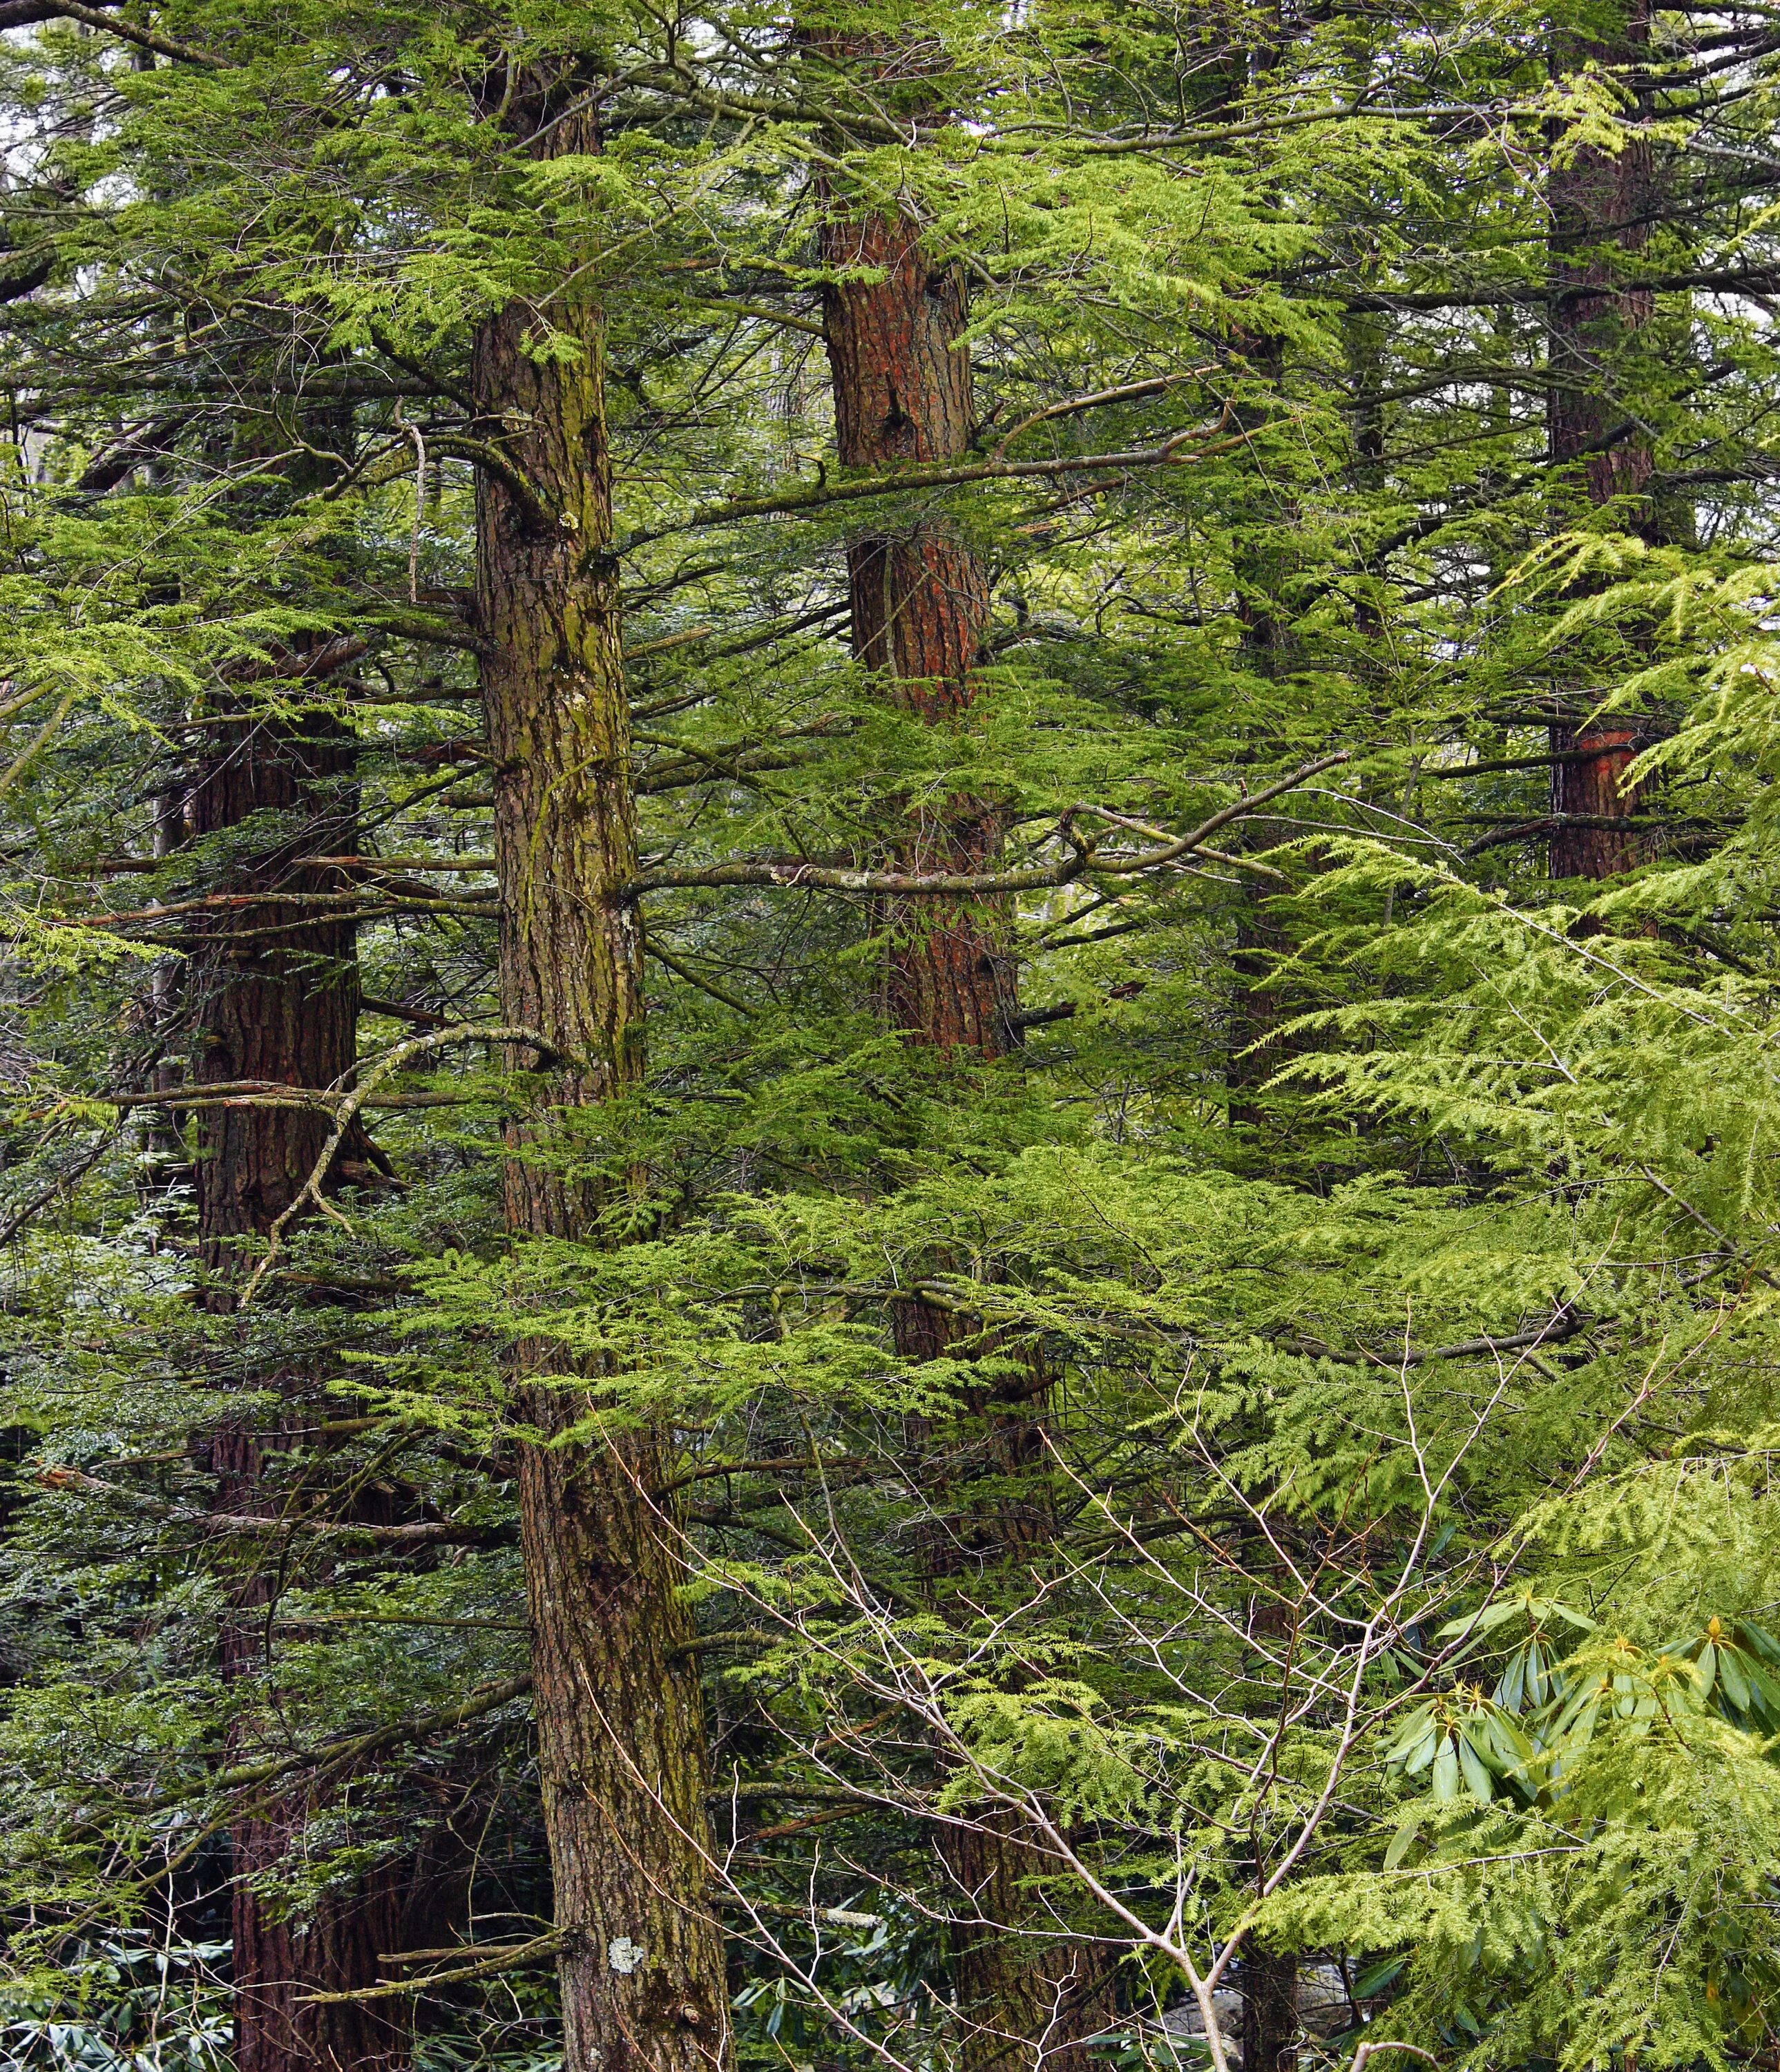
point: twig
(1084, 859)
(392, 1061)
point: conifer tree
(1364, 1603)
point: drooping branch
(29, 11)
(351, 1750)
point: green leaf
(1422, 1754)
(1758, 1638)
(1730, 1675)
(1446, 1771)
(1480, 1621)
(1382, 1975)
(1403, 1840)
(1413, 1730)
(1580, 1621)
(1476, 1773)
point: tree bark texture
(1028, 1992)
(273, 989)
(273, 995)
(919, 603)
(620, 1729)
(1270, 2032)
(1601, 204)
(1266, 556)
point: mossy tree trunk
(619, 1726)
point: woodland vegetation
(891, 1034)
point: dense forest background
(888, 1148)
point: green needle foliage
(1330, 1523)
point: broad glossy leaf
(1760, 1641)
(1411, 1731)
(1403, 1840)
(1475, 1772)
(1731, 1676)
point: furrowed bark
(1028, 1993)
(919, 602)
(619, 1726)
(1600, 208)
(1267, 1980)
(282, 1008)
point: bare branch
(1083, 861)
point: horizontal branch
(374, 863)
(1264, 126)
(350, 1750)
(499, 1957)
(1084, 859)
(1443, 773)
(1754, 281)
(1565, 1323)
(426, 1532)
(822, 494)
(128, 32)
(234, 902)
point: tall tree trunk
(1270, 2030)
(620, 1729)
(1600, 207)
(275, 990)
(273, 994)
(919, 604)
(1266, 553)
(1027, 1995)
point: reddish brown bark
(1028, 1993)
(274, 989)
(274, 996)
(1601, 205)
(920, 602)
(621, 1742)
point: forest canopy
(889, 983)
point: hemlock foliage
(1277, 1449)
